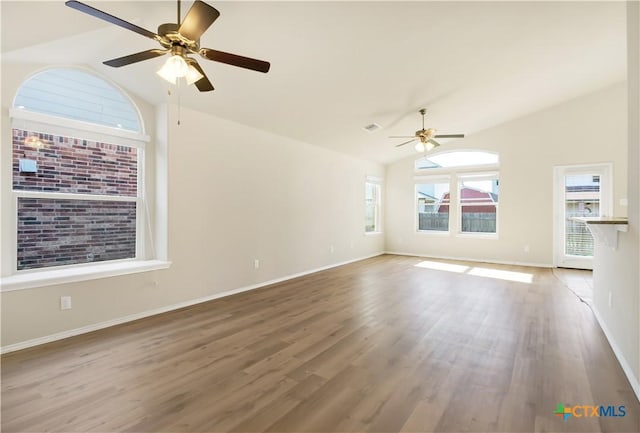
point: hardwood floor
(388, 344)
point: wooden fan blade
(449, 136)
(203, 84)
(435, 143)
(134, 58)
(198, 20)
(406, 142)
(235, 60)
(110, 19)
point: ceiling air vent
(372, 127)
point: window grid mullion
(71, 196)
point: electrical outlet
(65, 302)
(256, 264)
(332, 249)
(526, 248)
(610, 300)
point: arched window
(78, 158)
(458, 189)
(78, 95)
(457, 158)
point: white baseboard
(466, 259)
(101, 325)
(633, 380)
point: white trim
(74, 273)
(424, 180)
(374, 179)
(470, 178)
(72, 196)
(467, 259)
(436, 178)
(377, 205)
(455, 170)
(480, 175)
(628, 371)
(141, 206)
(433, 232)
(37, 122)
(26, 120)
(96, 326)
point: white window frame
(377, 183)
(482, 175)
(454, 174)
(605, 170)
(421, 180)
(14, 279)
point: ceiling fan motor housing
(170, 37)
(425, 134)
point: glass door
(581, 191)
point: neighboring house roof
(424, 195)
(483, 199)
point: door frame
(605, 170)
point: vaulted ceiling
(338, 66)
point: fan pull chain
(179, 94)
(179, 101)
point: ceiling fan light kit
(424, 147)
(179, 66)
(193, 75)
(181, 39)
(425, 137)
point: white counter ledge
(605, 229)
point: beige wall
(590, 129)
(235, 194)
(618, 271)
(246, 194)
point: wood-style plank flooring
(387, 344)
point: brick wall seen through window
(69, 228)
(73, 165)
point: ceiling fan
(180, 39)
(425, 137)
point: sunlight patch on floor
(519, 277)
(439, 266)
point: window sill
(52, 277)
(433, 232)
(478, 235)
(372, 233)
